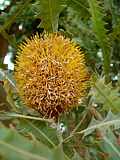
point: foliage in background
(91, 132)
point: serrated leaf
(41, 131)
(80, 6)
(14, 146)
(10, 90)
(106, 95)
(12, 18)
(110, 146)
(97, 12)
(49, 11)
(110, 120)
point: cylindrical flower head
(51, 75)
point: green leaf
(2, 75)
(12, 18)
(10, 89)
(97, 13)
(58, 152)
(104, 125)
(44, 133)
(40, 130)
(110, 146)
(80, 6)
(76, 156)
(106, 95)
(14, 146)
(49, 11)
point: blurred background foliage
(90, 132)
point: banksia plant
(51, 75)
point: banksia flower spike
(51, 74)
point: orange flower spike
(51, 74)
